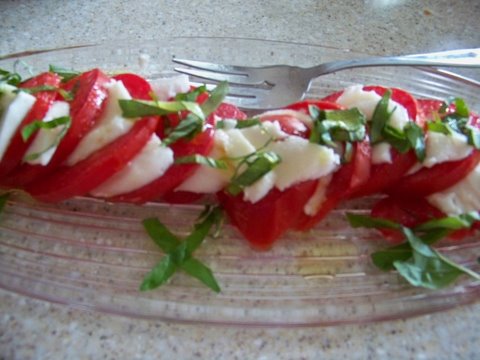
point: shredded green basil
(11, 78)
(65, 74)
(202, 160)
(30, 129)
(258, 164)
(416, 260)
(179, 252)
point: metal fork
(274, 86)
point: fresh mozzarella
(445, 147)
(167, 88)
(13, 107)
(460, 198)
(366, 102)
(44, 143)
(315, 202)
(381, 153)
(297, 156)
(151, 163)
(110, 126)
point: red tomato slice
(439, 177)
(89, 173)
(411, 212)
(224, 111)
(85, 109)
(383, 176)
(201, 144)
(406, 211)
(265, 221)
(344, 181)
(44, 99)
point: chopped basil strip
(380, 118)
(240, 124)
(67, 95)
(30, 129)
(187, 128)
(336, 125)
(65, 74)
(410, 138)
(457, 121)
(142, 108)
(415, 260)
(201, 160)
(217, 96)
(191, 95)
(257, 166)
(10, 78)
(179, 251)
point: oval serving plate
(93, 255)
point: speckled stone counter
(34, 329)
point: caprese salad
(124, 139)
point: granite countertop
(35, 329)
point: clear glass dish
(92, 255)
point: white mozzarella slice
(110, 126)
(44, 141)
(151, 163)
(13, 107)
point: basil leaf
(380, 117)
(212, 217)
(217, 96)
(160, 235)
(202, 160)
(179, 253)
(28, 130)
(462, 221)
(336, 125)
(240, 124)
(416, 138)
(65, 74)
(10, 78)
(370, 222)
(142, 108)
(188, 127)
(461, 107)
(473, 136)
(256, 168)
(159, 275)
(200, 271)
(415, 260)
(191, 95)
(430, 273)
(440, 127)
(384, 259)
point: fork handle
(456, 58)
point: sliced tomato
(90, 92)
(343, 182)
(224, 111)
(411, 212)
(439, 177)
(385, 175)
(86, 175)
(164, 186)
(44, 99)
(263, 222)
(406, 211)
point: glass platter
(92, 255)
